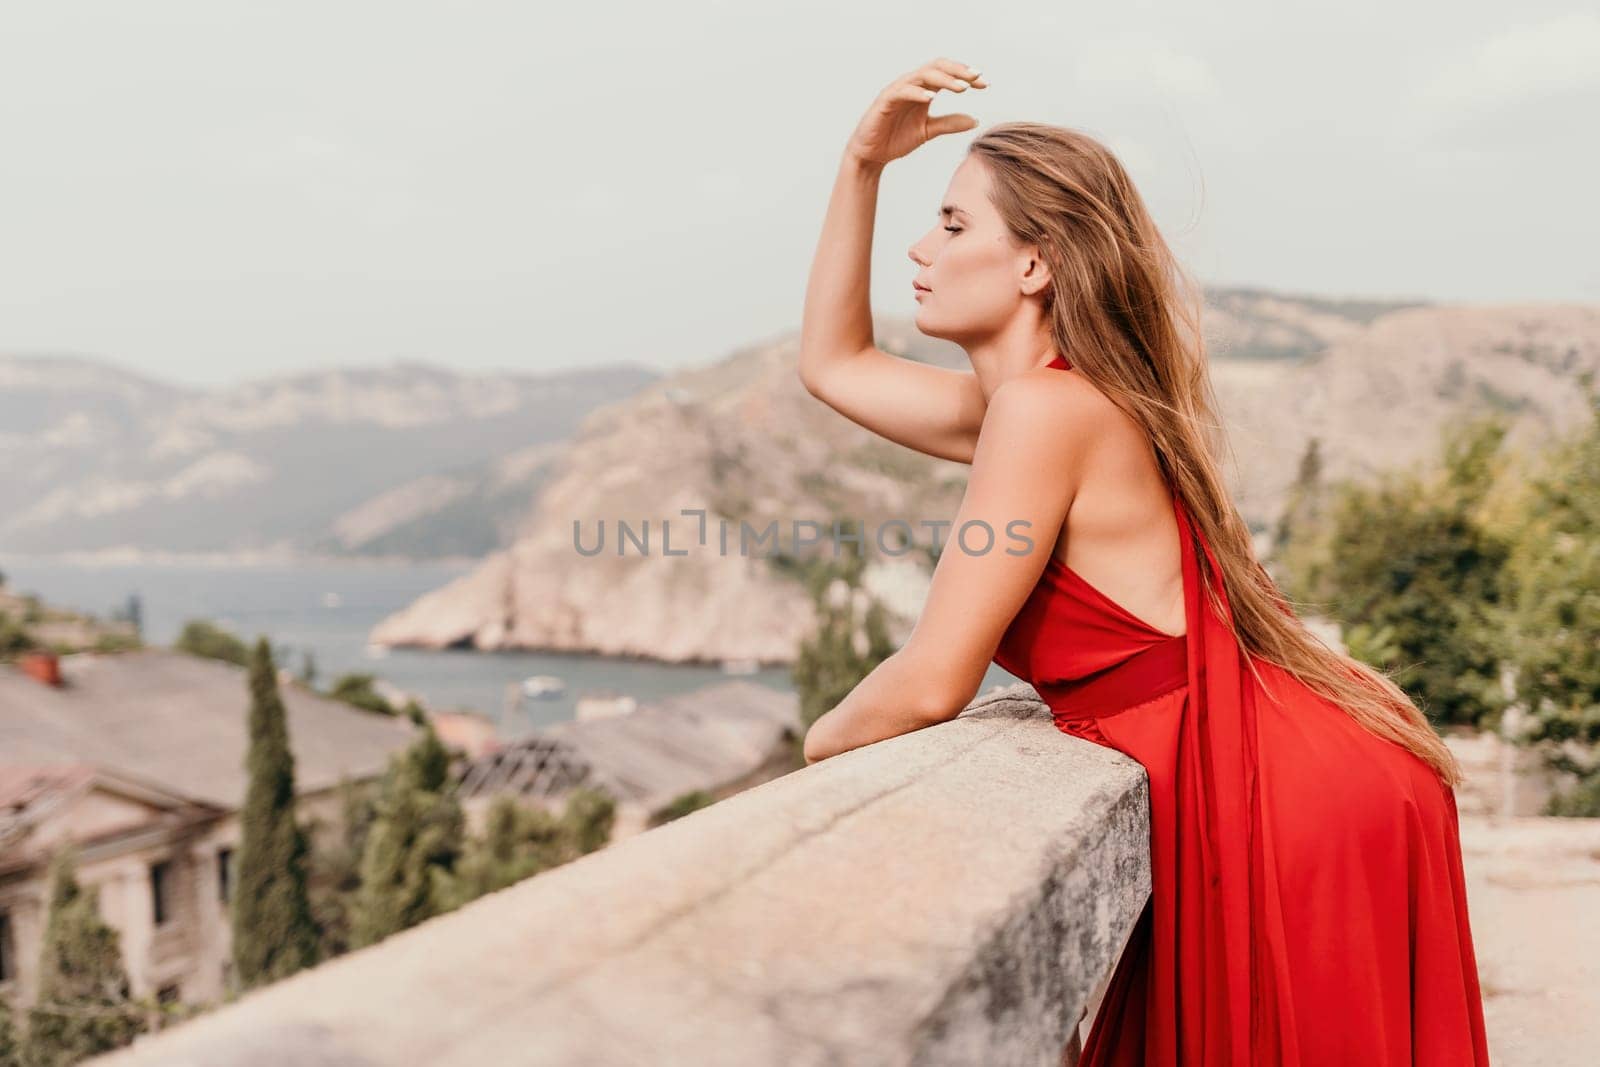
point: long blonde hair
(1126, 314)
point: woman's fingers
(933, 78)
(923, 83)
(917, 94)
(938, 79)
(889, 130)
(955, 70)
(942, 124)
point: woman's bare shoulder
(1057, 403)
(1045, 424)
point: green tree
(1410, 569)
(427, 762)
(358, 691)
(274, 933)
(84, 1006)
(517, 842)
(520, 841)
(1552, 616)
(203, 638)
(335, 873)
(413, 844)
(850, 639)
(588, 819)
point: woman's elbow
(810, 375)
(934, 694)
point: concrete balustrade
(952, 896)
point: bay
(327, 608)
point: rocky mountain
(409, 459)
(742, 440)
(1379, 399)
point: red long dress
(1308, 906)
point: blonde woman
(1307, 904)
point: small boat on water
(603, 704)
(331, 600)
(543, 685)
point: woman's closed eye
(952, 229)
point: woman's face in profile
(969, 263)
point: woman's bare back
(1121, 535)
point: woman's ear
(1035, 271)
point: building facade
(137, 761)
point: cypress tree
(84, 1006)
(274, 933)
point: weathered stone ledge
(953, 896)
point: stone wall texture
(956, 895)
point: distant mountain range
(407, 460)
(416, 461)
(742, 439)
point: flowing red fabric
(1307, 904)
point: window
(160, 890)
(224, 874)
(167, 994)
(8, 967)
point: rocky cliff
(744, 441)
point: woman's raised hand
(898, 120)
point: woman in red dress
(1307, 905)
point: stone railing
(952, 896)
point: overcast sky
(214, 191)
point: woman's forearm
(890, 701)
(837, 321)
